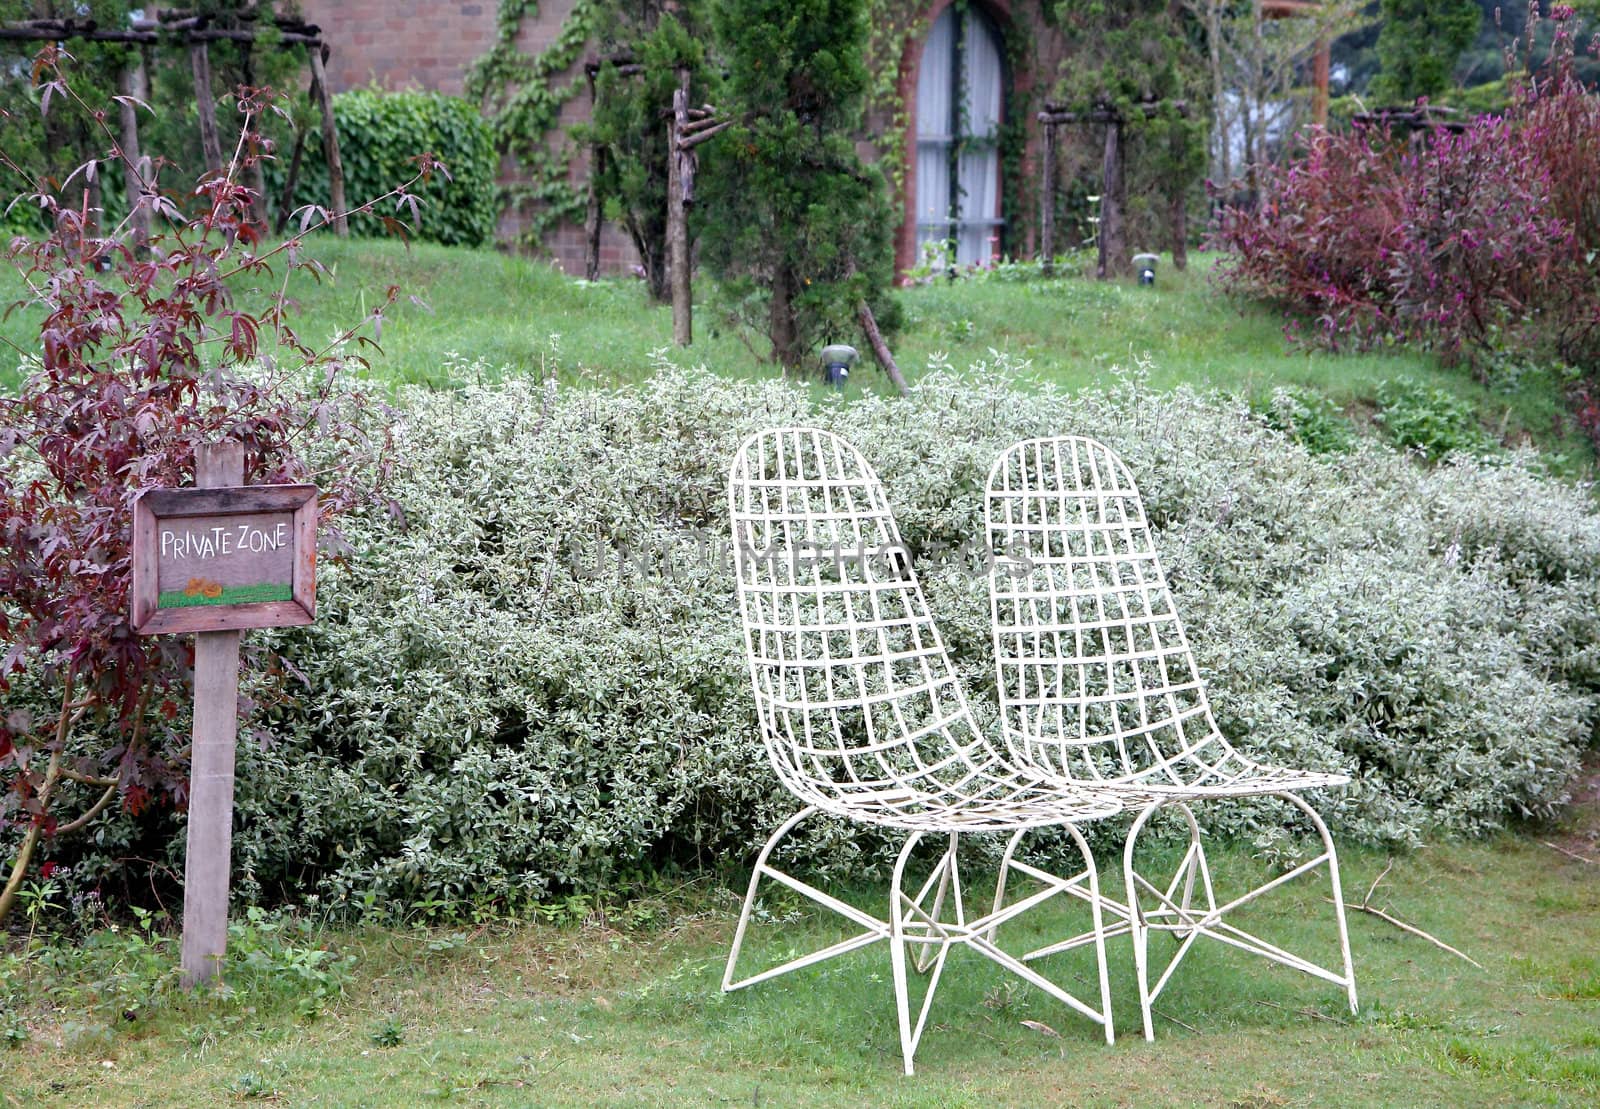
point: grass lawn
(513, 314)
(583, 1015)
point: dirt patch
(1580, 826)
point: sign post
(215, 560)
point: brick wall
(399, 45)
(431, 45)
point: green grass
(488, 313)
(231, 595)
(596, 1014)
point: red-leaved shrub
(1477, 241)
(146, 351)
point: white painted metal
(1098, 687)
(864, 717)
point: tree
(1419, 45)
(1256, 66)
(643, 48)
(1138, 65)
(140, 361)
(791, 220)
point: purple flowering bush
(1478, 242)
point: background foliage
(529, 679)
(380, 136)
(791, 220)
(630, 111)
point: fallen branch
(880, 349)
(1404, 927)
(1572, 854)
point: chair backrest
(1096, 678)
(856, 695)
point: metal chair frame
(1098, 686)
(864, 717)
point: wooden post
(209, 853)
(678, 189)
(135, 83)
(1178, 210)
(591, 218)
(1047, 204)
(210, 144)
(291, 182)
(1114, 260)
(330, 138)
(1319, 80)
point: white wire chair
(1098, 686)
(864, 717)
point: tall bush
(530, 679)
(1478, 243)
(789, 217)
(142, 357)
(381, 137)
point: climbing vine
(892, 25)
(522, 95)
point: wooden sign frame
(154, 506)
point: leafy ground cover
(624, 1008)
(501, 312)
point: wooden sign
(224, 559)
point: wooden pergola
(197, 31)
(1113, 260)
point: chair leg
(1190, 922)
(901, 909)
(873, 929)
(1097, 922)
(984, 938)
(946, 876)
(1338, 894)
(1005, 870)
(1138, 928)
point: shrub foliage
(531, 678)
(1479, 243)
(381, 135)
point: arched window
(959, 103)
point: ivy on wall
(1112, 62)
(522, 95)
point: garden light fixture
(837, 358)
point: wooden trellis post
(135, 84)
(330, 139)
(687, 128)
(206, 106)
(1178, 210)
(678, 190)
(1047, 202)
(1113, 260)
(593, 212)
(196, 32)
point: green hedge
(493, 705)
(499, 706)
(379, 135)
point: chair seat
(986, 798)
(1254, 781)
